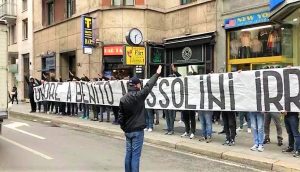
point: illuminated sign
(250, 19)
(113, 51)
(275, 3)
(87, 31)
(135, 55)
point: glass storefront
(259, 47)
(293, 22)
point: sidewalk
(271, 159)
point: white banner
(262, 90)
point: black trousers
(189, 120)
(13, 98)
(115, 110)
(229, 124)
(32, 103)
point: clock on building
(134, 37)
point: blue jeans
(149, 118)
(206, 122)
(242, 115)
(292, 125)
(134, 145)
(170, 118)
(86, 110)
(257, 125)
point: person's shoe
(267, 141)
(254, 148)
(231, 143)
(208, 140)
(86, 118)
(221, 132)
(249, 130)
(296, 154)
(239, 129)
(184, 134)
(226, 142)
(156, 122)
(202, 139)
(146, 129)
(150, 130)
(101, 120)
(171, 133)
(192, 136)
(179, 121)
(279, 143)
(166, 133)
(288, 149)
(245, 124)
(260, 148)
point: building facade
(18, 15)
(173, 31)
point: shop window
(261, 41)
(183, 2)
(25, 29)
(70, 8)
(24, 3)
(123, 2)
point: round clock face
(135, 36)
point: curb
(212, 152)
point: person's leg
(276, 119)
(102, 109)
(289, 132)
(208, 123)
(267, 127)
(202, 122)
(128, 157)
(254, 127)
(107, 113)
(232, 125)
(294, 124)
(12, 99)
(186, 121)
(172, 120)
(248, 120)
(260, 128)
(241, 117)
(115, 111)
(193, 121)
(226, 125)
(156, 116)
(151, 118)
(168, 120)
(137, 146)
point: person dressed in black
(31, 85)
(229, 127)
(132, 119)
(14, 94)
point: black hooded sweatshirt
(132, 107)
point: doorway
(26, 73)
(67, 63)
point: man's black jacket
(132, 107)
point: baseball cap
(30, 77)
(134, 81)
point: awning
(284, 10)
(190, 40)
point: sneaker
(231, 143)
(179, 121)
(254, 148)
(288, 149)
(279, 143)
(245, 124)
(208, 140)
(146, 129)
(184, 134)
(202, 139)
(221, 132)
(249, 130)
(296, 154)
(239, 129)
(86, 118)
(267, 141)
(150, 130)
(166, 133)
(192, 136)
(226, 142)
(260, 148)
(171, 133)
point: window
(24, 5)
(50, 12)
(183, 2)
(25, 29)
(123, 2)
(13, 34)
(70, 8)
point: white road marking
(26, 148)
(14, 126)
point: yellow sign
(135, 55)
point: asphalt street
(30, 146)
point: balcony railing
(8, 11)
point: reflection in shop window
(262, 41)
(123, 2)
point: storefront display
(253, 41)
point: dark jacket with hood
(132, 107)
